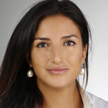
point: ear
(28, 60)
(84, 54)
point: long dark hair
(16, 89)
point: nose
(56, 55)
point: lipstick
(57, 71)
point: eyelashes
(42, 44)
(67, 43)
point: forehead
(56, 26)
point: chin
(59, 85)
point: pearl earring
(30, 73)
(82, 70)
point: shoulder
(98, 102)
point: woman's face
(57, 53)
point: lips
(57, 70)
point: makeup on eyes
(45, 40)
(66, 43)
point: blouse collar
(87, 101)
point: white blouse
(91, 101)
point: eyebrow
(64, 37)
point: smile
(57, 71)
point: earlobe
(28, 60)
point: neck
(67, 97)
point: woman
(45, 55)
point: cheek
(74, 56)
(39, 59)
(74, 61)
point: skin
(59, 91)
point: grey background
(96, 12)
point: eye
(69, 43)
(42, 44)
